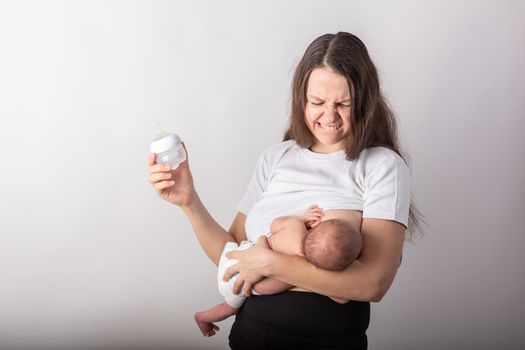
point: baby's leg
(268, 286)
(217, 313)
(222, 311)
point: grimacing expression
(328, 109)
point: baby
(331, 245)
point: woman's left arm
(367, 279)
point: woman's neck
(322, 148)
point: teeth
(328, 127)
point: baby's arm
(279, 223)
(311, 218)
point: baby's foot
(208, 329)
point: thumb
(152, 159)
(185, 151)
(263, 241)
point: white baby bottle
(168, 148)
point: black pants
(299, 320)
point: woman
(341, 152)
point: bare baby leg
(217, 313)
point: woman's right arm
(212, 237)
(176, 186)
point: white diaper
(226, 288)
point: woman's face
(327, 111)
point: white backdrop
(90, 256)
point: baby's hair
(332, 245)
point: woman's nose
(330, 113)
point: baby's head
(332, 244)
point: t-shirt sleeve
(257, 185)
(387, 189)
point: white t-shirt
(289, 178)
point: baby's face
(288, 242)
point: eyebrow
(320, 99)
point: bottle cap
(164, 141)
(163, 144)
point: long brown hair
(372, 121)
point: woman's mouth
(329, 127)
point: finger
(154, 178)
(237, 286)
(247, 289)
(314, 212)
(163, 184)
(230, 272)
(233, 254)
(185, 150)
(263, 241)
(309, 220)
(317, 216)
(312, 217)
(313, 206)
(157, 168)
(262, 238)
(151, 159)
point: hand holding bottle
(172, 177)
(175, 186)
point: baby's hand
(313, 216)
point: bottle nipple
(160, 133)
